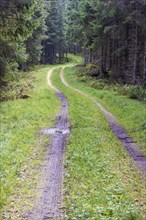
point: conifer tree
(110, 34)
(113, 35)
(72, 26)
(18, 21)
(54, 43)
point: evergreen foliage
(73, 35)
(113, 34)
(55, 42)
(21, 25)
(110, 34)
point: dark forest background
(110, 34)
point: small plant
(133, 92)
(17, 86)
(96, 84)
(83, 78)
(91, 70)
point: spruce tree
(18, 21)
(53, 46)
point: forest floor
(100, 180)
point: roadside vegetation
(23, 148)
(101, 181)
(130, 113)
(18, 85)
(91, 75)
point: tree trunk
(135, 58)
(144, 78)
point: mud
(138, 157)
(130, 146)
(50, 202)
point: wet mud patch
(51, 131)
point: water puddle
(48, 131)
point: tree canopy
(110, 34)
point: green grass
(75, 59)
(131, 114)
(101, 182)
(22, 147)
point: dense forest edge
(110, 35)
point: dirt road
(50, 202)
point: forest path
(125, 139)
(50, 201)
(49, 204)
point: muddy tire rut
(50, 201)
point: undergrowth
(16, 86)
(101, 182)
(133, 92)
(90, 75)
(22, 147)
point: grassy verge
(101, 182)
(131, 114)
(22, 147)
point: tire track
(49, 204)
(127, 142)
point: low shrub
(92, 70)
(96, 84)
(133, 92)
(16, 86)
(90, 75)
(83, 78)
